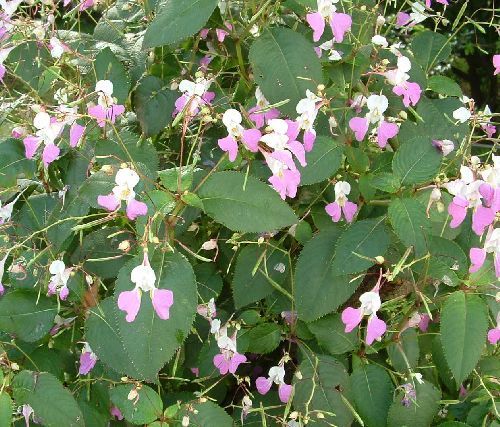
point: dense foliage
(269, 213)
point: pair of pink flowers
(342, 205)
(276, 375)
(106, 110)
(195, 95)
(144, 278)
(340, 23)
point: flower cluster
(276, 375)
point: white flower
(342, 190)
(417, 15)
(262, 102)
(48, 130)
(379, 40)
(370, 303)
(380, 20)
(126, 179)
(377, 104)
(462, 114)
(492, 243)
(215, 326)
(232, 120)
(60, 274)
(326, 7)
(56, 48)
(490, 174)
(192, 88)
(418, 377)
(446, 146)
(277, 374)
(278, 138)
(105, 89)
(144, 277)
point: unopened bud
(124, 245)
(436, 194)
(298, 374)
(185, 421)
(403, 115)
(380, 259)
(107, 169)
(209, 245)
(294, 415)
(133, 394)
(320, 415)
(260, 240)
(380, 20)
(321, 87)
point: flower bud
(380, 20)
(124, 245)
(185, 421)
(380, 259)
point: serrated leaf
(175, 20)
(13, 163)
(464, 322)
(363, 239)
(243, 203)
(429, 48)
(154, 105)
(285, 66)
(372, 389)
(147, 408)
(26, 314)
(416, 162)
(52, 404)
(420, 412)
(141, 348)
(248, 288)
(329, 332)
(263, 338)
(385, 181)
(322, 292)
(322, 162)
(410, 223)
(444, 86)
(209, 281)
(324, 380)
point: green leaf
(13, 163)
(323, 386)
(363, 239)
(322, 292)
(404, 353)
(416, 162)
(429, 48)
(263, 338)
(243, 203)
(329, 332)
(285, 66)
(143, 409)
(206, 414)
(464, 322)
(372, 389)
(108, 67)
(410, 223)
(420, 413)
(209, 281)
(248, 288)
(6, 408)
(52, 404)
(385, 181)
(26, 314)
(444, 86)
(28, 61)
(322, 162)
(175, 20)
(141, 348)
(154, 105)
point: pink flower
(116, 413)
(340, 23)
(496, 64)
(410, 91)
(370, 304)
(385, 132)
(144, 278)
(491, 245)
(307, 108)
(402, 19)
(286, 178)
(126, 179)
(106, 108)
(194, 96)
(88, 360)
(48, 130)
(428, 2)
(236, 132)
(76, 132)
(359, 125)
(494, 334)
(260, 114)
(276, 375)
(283, 136)
(341, 204)
(228, 359)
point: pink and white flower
(261, 113)
(59, 281)
(144, 278)
(4, 53)
(307, 109)
(2, 272)
(48, 130)
(228, 359)
(106, 109)
(88, 360)
(491, 245)
(126, 179)
(276, 375)
(370, 304)
(195, 95)
(494, 334)
(286, 177)
(341, 203)
(237, 133)
(340, 23)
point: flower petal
(284, 392)
(162, 300)
(351, 317)
(109, 202)
(135, 209)
(375, 329)
(317, 23)
(229, 145)
(50, 153)
(359, 125)
(263, 385)
(130, 302)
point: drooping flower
(88, 360)
(27, 412)
(48, 130)
(228, 359)
(410, 394)
(496, 64)
(208, 310)
(59, 281)
(283, 136)
(487, 125)
(341, 204)
(56, 47)
(276, 375)
(307, 108)
(445, 146)
(106, 109)
(236, 132)
(126, 179)
(340, 23)
(399, 77)
(462, 114)
(261, 114)
(370, 304)
(491, 245)
(116, 413)
(194, 96)
(286, 177)
(144, 278)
